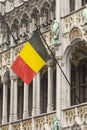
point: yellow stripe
(31, 57)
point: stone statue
(56, 124)
(55, 31)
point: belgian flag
(31, 58)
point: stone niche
(74, 33)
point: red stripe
(23, 70)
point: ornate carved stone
(75, 33)
(6, 78)
(76, 127)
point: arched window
(44, 96)
(6, 34)
(35, 15)
(79, 75)
(15, 28)
(25, 23)
(43, 92)
(45, 11)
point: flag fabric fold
(31, 59)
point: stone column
(15, 98)
(65, 87)
(38, 94)
(11, 118)
(12, 40)
(2, 8)
(4, 113)
(41, 20)
(50, 87)
(33, 123)
(33, 24)
(67, 7)
(64, 7)
(30, 26)
(57, 13)
(25, 110)
(34, 97)
(12, 99)
(58, 89)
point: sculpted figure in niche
(55, 32)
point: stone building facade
(56, 98)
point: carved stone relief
(76, 127)
(75, 33)
(6, 77)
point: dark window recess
(72, 5)
(73, 85)
(84, 2)
(79, 82)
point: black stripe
(38, 45)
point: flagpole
(55, 58)
(47, 47)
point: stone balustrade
(37, 123)
(73, 28)
(75, 115)
(74, 19)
